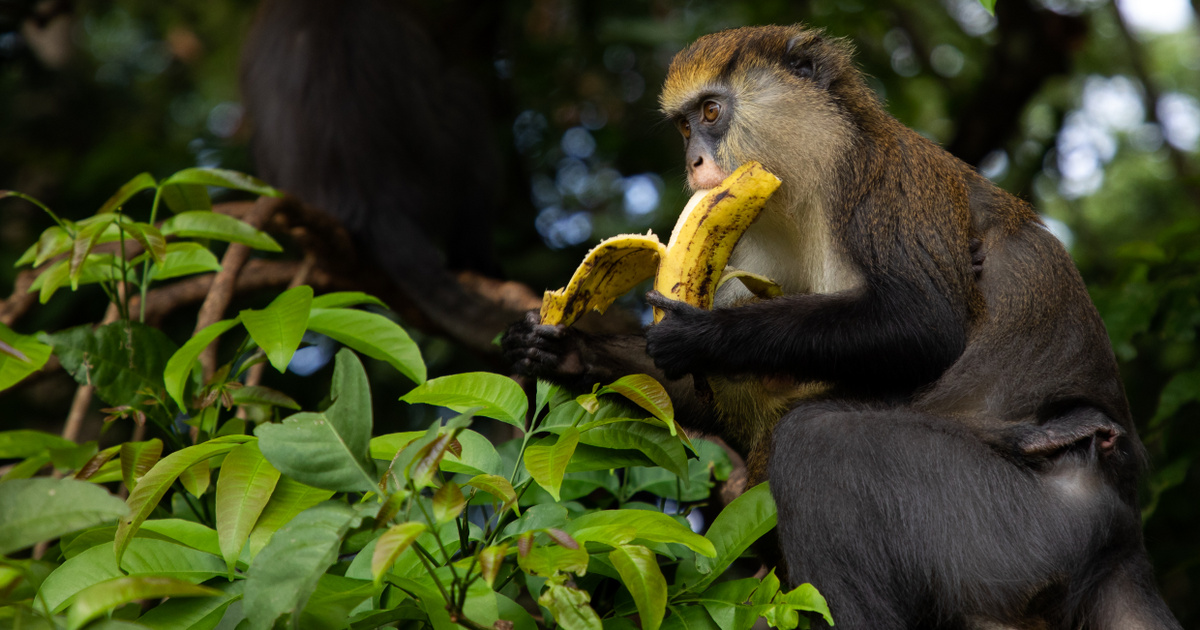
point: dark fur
(975, 462)
(356, 112)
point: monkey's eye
(685, 128)
(711, 109)
(804, 69)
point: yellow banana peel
(688, 268)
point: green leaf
(33, 510)
(650, 526)
(149, 237)
(570, 607)
(105, 596)
(647, 393)
(745, 520)
(221, 227)
(373, 335)
(120, 359)
(289, 499)
(448, 503)
(259, 395)
(224, 178)
(478, 456)
(689, 618)
(279, 328)
(196, 478)
(638, 568)
(547, 460)
(20, 356)
(140, 182)
(85, 240)
(391, 544)
(78, 572)
(487, 394)
(655, 442)
(154, 485)
(328, 450)
(96, 268)
(24, 443)
(183, 259)
(193, 613)
(726, 603)
(989, 6)
(547, 561)
(332, 601)
(184, 197)
(149, 556)
(344, 299)
(243, 489)
(431, 601)
(284, 574)
(137, 458)
(805, 597)
(496, 486)
(54, 241)
(181, 364)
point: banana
(706, 233)
(688, 268)
(610, 269)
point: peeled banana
(688, 268)
(610, 269)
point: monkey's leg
(906, 520)
(1128, 599)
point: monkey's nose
(698, 163)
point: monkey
(963, 455)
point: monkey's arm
(888, 334)
(578, 360)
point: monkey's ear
(803, 60)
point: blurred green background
(1088, 109)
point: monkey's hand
(552, 352)
(677, 343)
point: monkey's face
(768, 94)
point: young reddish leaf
(137, 458)
(448, 502)
(389, 508)
(524, 544)
(562, 538)
(490, 561)
(140, 182)
(496, 486)
(647, 393)
(425, 463)
(97, 460)
(391, 544)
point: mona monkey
(968, 459)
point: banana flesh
(688, 268)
